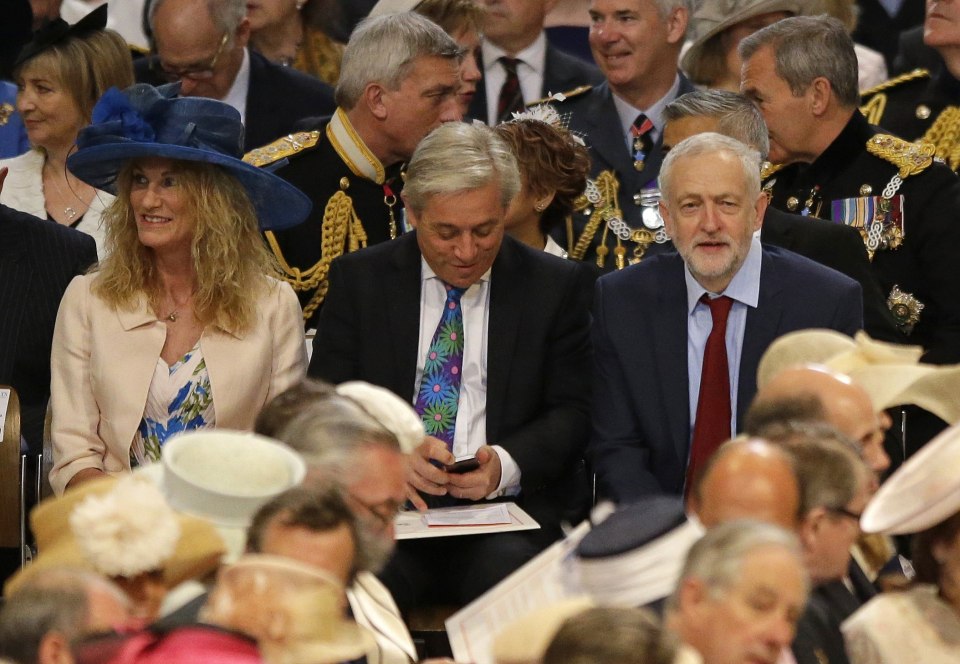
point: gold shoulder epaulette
(281, 148)
(767, 169)
(909, 158)
(893, 82)
(563, 96)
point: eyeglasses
(843, 511)
(198, 73)
(385, 512)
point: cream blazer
(103, 361)
(23, 190)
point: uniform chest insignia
(282, 148)
(909, 158)
(6, 111)
(560, 97)
(767, 170)
(905, 309)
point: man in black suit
(515, 46)
(519, 404)
(833, 245)
(637, 45)
(678, 338)
(204, 46)
(37, 261)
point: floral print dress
(179, 400)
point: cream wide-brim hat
(922, 492)
(384, 7)
(891, 374)
(715, 16)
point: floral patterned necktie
(439, 392)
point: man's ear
(412, 217)
(242, 35)
(760, 207)
(677, 25)
(54, 649)
(821, 95)
(811, 527)
(667, 219)
(373, 97)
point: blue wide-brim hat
(144, 121)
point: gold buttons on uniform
(792, 203)
(344, 183)
(923, 112)
(865, 190)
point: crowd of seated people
(306, 269)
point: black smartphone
(462, 465)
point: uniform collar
(850, 142)
(351, 148)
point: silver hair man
(708, 143)
(806, 48)
(384, 48)
(736, 115)
(459, 157)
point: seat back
(10, 474)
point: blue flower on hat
(117, 116)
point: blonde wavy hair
(229, 257)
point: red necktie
(511, 97)
(712, 426)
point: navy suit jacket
(38, 259)
(594, 116)
(277, 98)
(537, 351)
(562, 72)
(641, 413)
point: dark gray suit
(562, 72)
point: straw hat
(144, 121)
(224, 476)
(924, 491)
(891, 374)
(146, 536)
(715, 16)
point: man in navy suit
(636, 44)
(656, 376)
(513, 29)
(204, 46)
(520, 405)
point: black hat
(634, 557)
(58, 31)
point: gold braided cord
(893, 82)
(944, 134)
(339, 219)
(604, 209)
(873, 109)
(909, 158)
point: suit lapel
(763, 325)
(403, 312)
(670, 347)
(15, 282)
(508, 296)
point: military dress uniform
(356, 203)
(617, 221)
(921, 105)
(905, 205)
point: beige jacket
(103, 361)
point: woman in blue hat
(180, 327)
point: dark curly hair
(550, 160)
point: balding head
(840, 402)
(748, 479)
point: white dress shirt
(471, 427)
(237, 95)
(530, 71)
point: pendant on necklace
(172, 316)
(70, 212)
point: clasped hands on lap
(426, 477)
